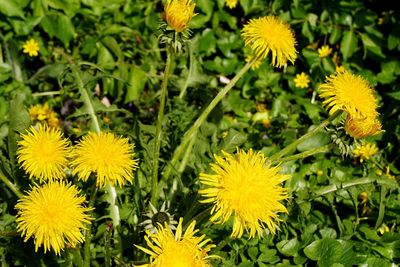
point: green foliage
(114, 46)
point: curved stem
(191, 65)
(160, 117)
(10, 185)
(88, 231)
(191, 133)
(300, 140)
(302, 155)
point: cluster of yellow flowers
(53, 212)
(44, 113)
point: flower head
(302, 80)
(158, 217)
(44, 113)
(109, 157)
(231, 3)
(43, 153)
(177, 250)
(31, 47)
(256, 63)
(239, 180)
(324, 51)
(362, 127)
(53, 215)
(350, 93)
(178, 13)
(365, 151)
(270, 34)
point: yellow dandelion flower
(350, 93)
(270, 34)
(340, 68)
(43, 153)
(362, 127)
(179, 13)
(31, 47)
(44, 113)
(302, 80)
(231, 3)
(239, 180)
(365, 151)
(177, 250)
(53, 215)
(109, 157)
(324, 51)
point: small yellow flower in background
(362, 127)
(179, 249)
(109, 157)
(44, 113)
(179, 13)
(31, 47)
(43, 153)
(231, 3)
(53, 215)
(352, 94)
(302, 80)
(256, 64)
(365, 151)
(324, 51)
(389, 175)
(269, 34)
(364, 198)
(246, 187)
(383, 229)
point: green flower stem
(191, 133)
(361, 181)
(382, 204)
(10, 185)
(222, 244)
(300, 140)
(76, 253)
(302, 155)
(88, 230)
(160, 117)
(190, 71)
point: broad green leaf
(11, 8)
(288, 247)
(348, 46)
(233, 140)
(317, 140)
(136, 82)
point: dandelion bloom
(256, 63)
(231, 3)
(302, 80)
(44, 113)
(53, 215)
(324, 51)
(362, 127)
(179, 250)
(43, 153)
(269, 34)
(365, 151)
(178, 13)
(245, 186)
(31, 47)
(109, 157)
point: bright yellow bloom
(365, 151)
(44, 113)
(53, 215)
(169, 250)
(43, 153)
(256, 63)
(231, 3)
(31, 47)
(340, 68)
(302, 80)
(109, 157)
(245, 186)
(179, 13)
(270, 34)
(363, 127)
(350, 93)
(324, 51)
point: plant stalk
(160, 117)
(305, 154)
(86, 262)
(10, 185)
(191, 133)
(300, 140)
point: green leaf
(11, 9)
(348, 46)
(59, 26)
(136, 83)
(288, 247)
(371, 46)
(317, 140)
(233, 140)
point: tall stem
(160, 117)
(302, 155)
(88, 230)
(190, 71)
(191, 133)
(10, 185)
(300, 140)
